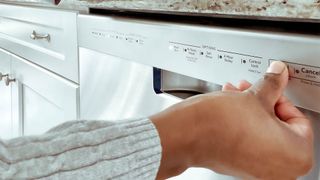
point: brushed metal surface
(113, 89)
(314, 174)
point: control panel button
(305, 73)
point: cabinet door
(42, 99)
(5, 98)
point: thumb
(271, 87)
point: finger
(244, 85)
(270, 89)
(302, 126)
(293, 117)
(229, 87)
(285, 110)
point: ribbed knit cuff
(143, 150)
(86, 150)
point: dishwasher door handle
(181, 86)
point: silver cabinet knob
(35, 36)
(8, 81)
(3, 76)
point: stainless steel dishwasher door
(116, 89)
(211, 53)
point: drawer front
(45, 99)
(43, 36)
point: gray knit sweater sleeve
(84, 150)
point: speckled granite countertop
(302, 9)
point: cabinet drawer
(45, 99)
(44, 36)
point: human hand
(250, 132)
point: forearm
(86, 149)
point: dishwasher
(136, 66)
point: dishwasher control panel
(198, 53)
(210, 53)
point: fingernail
(276, 67)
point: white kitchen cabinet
(41, 99)
(5, 97)
(41, 57)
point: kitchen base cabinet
(5, 98)
(5, 111)
(43, 99)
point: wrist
(177, 131)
